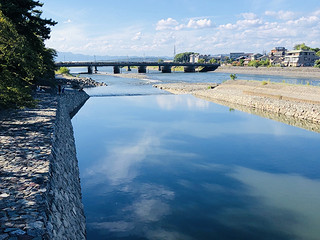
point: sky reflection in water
(177, 167)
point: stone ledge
(37, 158)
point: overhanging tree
(24, 57)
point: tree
(201, 60)
(15, 63)
(301, 46)
(183, 57)
(317, 63)
(254, 63)
(213, 60)
(26, 17)
(24, 59)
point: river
(159, 166)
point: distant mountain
(68, 56)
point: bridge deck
(130, 64)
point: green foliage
(265, 63)
(201, 61)
(301, 46)
(183, 57)
(317, 63)
(233, 76)
(264, 82)
(228, 60)
(160, 61)
(63, 70)
(254, 63)
(24, 59)
(15, 63)
(178, 68)
(212, 60)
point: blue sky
(153, 27)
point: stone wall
(40, 194)
(301, 102)
(66, 218)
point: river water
(159, 166)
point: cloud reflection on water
(175, 101)
(150, 204)
(120, 163)
(294, 196)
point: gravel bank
(299, 104)
(305, 72)
(77, 82)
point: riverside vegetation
(24, 59)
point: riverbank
(300, 104)
(300, 72)
(77, 82)
(40, 193)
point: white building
(300, 58)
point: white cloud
(249, 16)
(165, 24)
(68, 21)
(304, 21)
(284, 15)
(248, 32)
(137, 36)
(201, 23)
(172, 24)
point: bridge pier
(129, 69)
(166, 69)
(89, 69)
(95, 69)
(116, 69)
(159, 69)
(189, 69)
(142, 69)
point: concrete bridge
(165, 67)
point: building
(255, 56)
(278, 52)
(300, 58)
(234, 56)
(276, 61)
(194, 58)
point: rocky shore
(299, 104)
(304, 72)
(40, 194)
(77, 82)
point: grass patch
(63, 70)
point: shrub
(63, 70)
(233, 76)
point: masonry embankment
(65, 209)
(40, 193)
(300, 102)
(299, 72)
